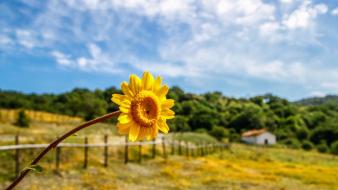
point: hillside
(315, 101)
(245, 167)
(295, 125)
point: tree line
(297, 125)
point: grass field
(242, 167)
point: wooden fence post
(85, 163)
(154, 148)
(163, 148)
(126, 151)
(17, 156)
(203, 149)
(187, 148)
(105, 162)
(140, 152)
(179, 148)
(57, 158)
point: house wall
(266, 136)
(260, 139)
(250, 140)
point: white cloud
(26, 38)
(5, 40)
(61, 58)
(334, 11)
(270, 31)
(287, 1)
(304, 16)
(218, 38)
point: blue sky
(241, 48)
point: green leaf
(34, 168)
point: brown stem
(57, 141)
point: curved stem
(57, 141)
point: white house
(260, 136)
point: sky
(241, 48)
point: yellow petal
(157, 84)
(154, 132)
(124, 118)
(124, 109)
(117, 98)
(162, 126)
(147, 81)
(141, 134)
(126, 90)
(169, 103)
(135, 84)
(126, 103)
(123, 128)
(162, 91)
(133, 132)
(167, 114)
(148, 133)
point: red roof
(254, 132)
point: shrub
(302, 134)
(323, 148)
(292, 143)
(201, 130)
(218, 132)
(334, 147)
(307, 145)
(22, 120)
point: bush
(302, 134)
(201, 130)
(292, 143)
(22, 120)
(334, 147)
(218, 132)
(323, 148)
(307, 145)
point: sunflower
(144, 107)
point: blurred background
(255, 84)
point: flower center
(145, 108)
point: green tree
(334, 147)
(218, 132)
(22, 120)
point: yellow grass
(10, 115)
(244, 168)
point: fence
(175, 146)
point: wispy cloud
(272, 41)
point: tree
(218, 132)
(307, 145)
(179, 123)
(250, 118)
(334, 147)
(22, 120)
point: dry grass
(243, 168)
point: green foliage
(292, 143)
(302, 134)
(22, 120)
(334, 147)
(179, 123)
(323, 148)
(34, 168)
(292, 123)
(327, 132)
(250, 118)
(218, 132)
(307, 145)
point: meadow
(240, 167)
